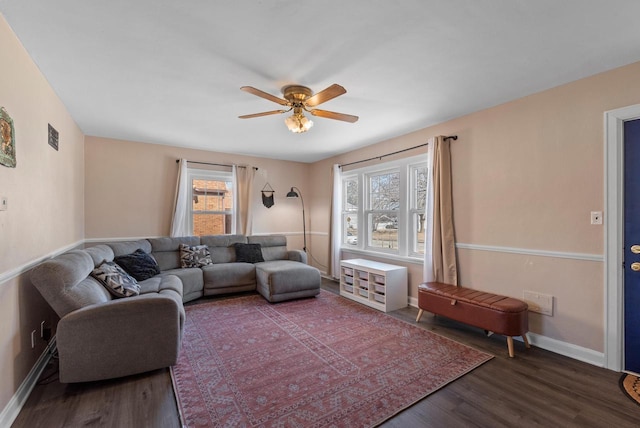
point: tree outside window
(384, 203)
(383, 207)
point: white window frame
(205, 174)
(412, 231)
(406, 210)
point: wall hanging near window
(7, 140)
(267, 195)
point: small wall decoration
(267, 195)
(7, 140)
(53, 137)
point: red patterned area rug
(317, 362)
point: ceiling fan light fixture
(298, 123)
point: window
(211, 207)
(383, 207)
(417, 209)
(350, 206)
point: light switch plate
(596, 217)
(4, 203)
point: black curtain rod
(216, 164)
(450, 137)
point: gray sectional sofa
(101, 337)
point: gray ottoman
(280, 280)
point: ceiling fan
(300, 99)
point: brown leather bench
(491, 312)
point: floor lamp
(295, 194)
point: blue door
(632, 246)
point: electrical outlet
(539, 302)
(596, 217)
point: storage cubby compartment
(348, 280)
(379, 279)
(379, 297)
(348, 288)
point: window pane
(350, 195)
(384, 191)
(350, 226)
(211, 224)
(420, 187)
(212, 195)
(418, 230)
(384, 231)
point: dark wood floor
(537, 388)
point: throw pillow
(139, 265)
(196, 256)
(116, 280)
(248, 253)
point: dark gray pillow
(139, 265)
(116, 280)
(248, 253)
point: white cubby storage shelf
(378, 285)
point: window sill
(382, 255)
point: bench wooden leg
(510, 345)
(419, 315)
(526, 341)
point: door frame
(614, 233)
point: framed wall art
(7, 140)
(53, 137)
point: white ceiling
(169, 72)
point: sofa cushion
(99, 254)
(221, 275)
(274, 247)
(221, 246)
(116, 280)
(192, 282)
(138, 264)
(122, 248)
(65, 283)
(194, 256)
(248, 253)
(166, 251)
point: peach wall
(526, 175)
(130, 189)
(46, 208)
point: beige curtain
(243, 183)
(443, 263)
(179, 217)
(335, 231)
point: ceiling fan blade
(325, 95)
(266, 113)
(263, 94)
(333, 115)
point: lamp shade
(292, 194)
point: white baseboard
(13, 407)
(557, 346)
(567, 349)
